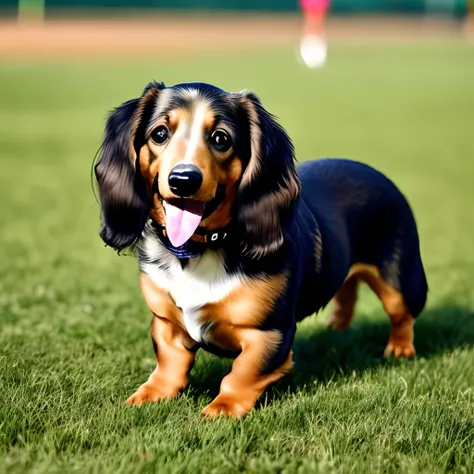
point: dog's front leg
(174, 362)
(252, 371)
(174, 348)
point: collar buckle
(216, 237)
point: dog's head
(194, 155)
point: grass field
(74, 340)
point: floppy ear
(122, 190)
(269, 185)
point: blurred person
(469, 21)
(313, 48)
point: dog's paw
(149, 393)
(227, 405)
(399, 349)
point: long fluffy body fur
(299, 237)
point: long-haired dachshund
(236, 245)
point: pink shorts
(314, 6)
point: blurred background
(123, 25)
(390, 83)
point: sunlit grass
(74, 340)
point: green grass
(74, 338)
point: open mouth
(183, 215)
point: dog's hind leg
(400, 342)
(344, 302)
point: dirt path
(171, 33)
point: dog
(236, 245)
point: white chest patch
(203, 280)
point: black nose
(185, 179)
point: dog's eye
(221, 140)
(160, 135)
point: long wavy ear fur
(122, 191)
(269, 185)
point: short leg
(175, 357)
(242, 387)
(400, 342)
(344, 304)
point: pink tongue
(181, 222)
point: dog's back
(357, 216)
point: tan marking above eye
(175, 117)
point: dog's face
(193, 155)
(196, 144)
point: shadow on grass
(328, 355)
(323, 354)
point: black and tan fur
(295, 239)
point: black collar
(212, 239)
